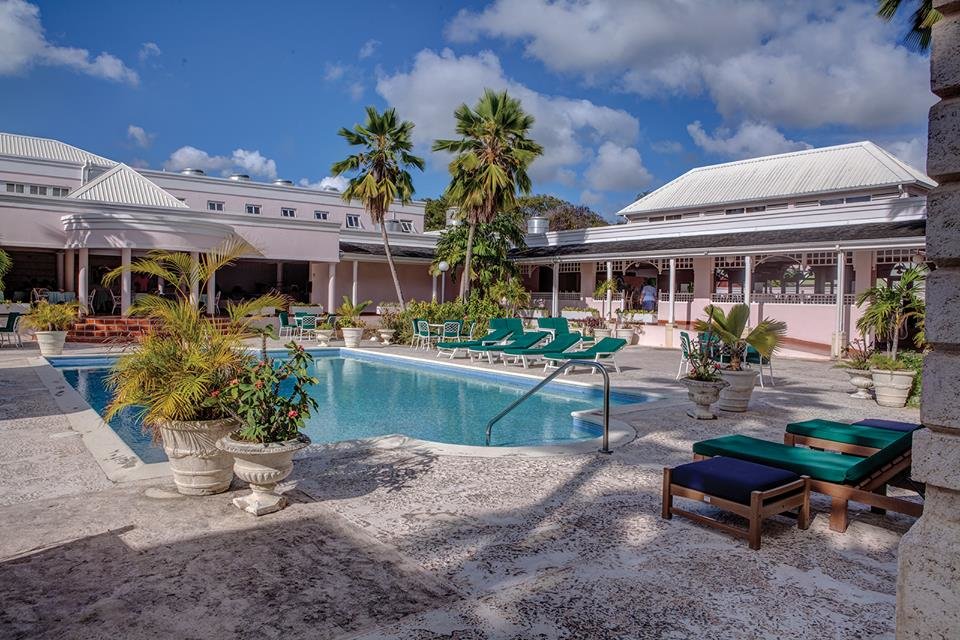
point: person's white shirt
(649, 292)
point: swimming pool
(367, 395)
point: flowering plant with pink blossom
(271, 397)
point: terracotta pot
(736, 396)
(262, 466)
(51, 342)
(862, 382)
(703, 394)
(351, 336)
(892, 388)
(199, 467)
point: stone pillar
(212, 295)
(355, 289)
(331, 287)
(555, 291)
(70, 266)
(928, 595)
(839, 340)
(195, 279)
(126, 282)
(316, 277)
(83, 274)
(59, 270)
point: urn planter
(262, 466)
(601, 332)
(351, 336)
(199, 467)
(862, 381)
(51, 342)
(324, 336)
(386, 336)
(626, 334)
(703, 394)
(736, 396)
(892, 388)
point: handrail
(570, 363)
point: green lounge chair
(495, 336)
(842, 477)
(521, 341)
(859, 439)
(558, 345)
(514, 324)
(556, 326)
(604, 351)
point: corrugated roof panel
(12, 144)
(841, 168)
(123, 185)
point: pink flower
(234, 381)
(292, 413)
(258, 384)
(215, 393)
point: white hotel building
(795, 235)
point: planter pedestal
(324, 336)
(386, 336)
(736, 397)
(862, 381)
(262, 466)
(199, 467)
(703, 394)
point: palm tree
(381, 171)
(921, 21)
(890, 306)
(731, 329)
(5, 265)
(492, 242)
(490, 167)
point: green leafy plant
(913, 360)
(889, 307)
(511, 294)
(6, 264)
(492, 243)
(348, 314)
(52, 317)
(477, 308)
(857, 355)
(886, 363)
(732, 330)
(702, 365)
(256, 397)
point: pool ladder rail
(563, 367)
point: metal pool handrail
(570, 363)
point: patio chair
(752, 356)
(559, 344)
(425, 335)
(469, 334)
(117, 302)
(604, 351)
(286, 329)
(10, 333)
(685, 348)
(307, 328)
(522, 341)
(451, 330)
(494, 337)
(842, 477)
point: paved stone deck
(384, 541)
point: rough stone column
(928, 582)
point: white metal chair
(10, 333)
(426, 338)
(307, 328)
(685, 347)
(116, 302)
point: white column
(195, 281)
(83, 286)
(356, 282)
(331, 286)
(59, 270)
(279, 275)
(747, 279)
(70, 264)
(433, 292)
(160, 283)
(839, 335)
(609, 293)
(316, 276)
(555, 306)
(126, 281)
(671, 317)
(212, 295)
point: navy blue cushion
(730, 478)
(888, 424)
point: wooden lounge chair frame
(763, 504)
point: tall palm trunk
(465, 279)
(393, 267)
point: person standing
(648, 296)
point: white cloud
(568, 129)
(368, 49)
(616, 168)
(333, 71)
(139, 136)
(912, 151)
(356, 89)
(329, 183)
(241, 161)
(149, 50)
(590, 198)
(751, 140)
(23, 45)
(788, 63)
(667, 146)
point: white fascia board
(417, 240)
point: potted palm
(348, 318)
(270, 421)
(173, 375)
(856, 363)
(734, 333)
(703, 382)
(889, 307)
(50, 323)
(325, 332)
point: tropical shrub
(857, 355)
(51, 317)
(348, 314)
(702, 365)
(889, 307)
(511, 294)
(477, 308)
(731, 329)
(5, 265)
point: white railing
(726, 297)
(547, 295)
(678, 296)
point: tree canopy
(562, 215)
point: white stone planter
(324, 336)
(386, 335)
(262, 466)
(703, 394)
(51, 342)
(577, 315)
(736, 396)
(892, 388)
(626, 334)
(862, 382)
(351, 336)
(601, 333)
(199, 467)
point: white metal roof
(123, 185)
(12, 144)
(846, 167)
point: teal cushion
(868, 466)
(842, 432)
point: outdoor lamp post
(444, 266)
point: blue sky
(627, 95)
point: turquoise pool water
(363, 396)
